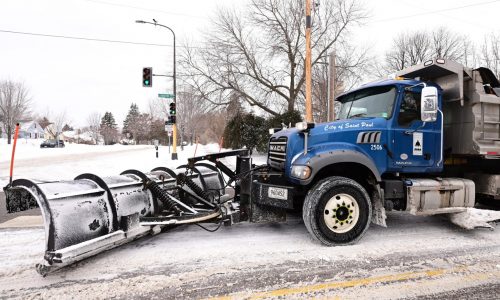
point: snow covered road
(414, 257)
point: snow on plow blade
(91, 214)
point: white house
(31, 130)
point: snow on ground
(66, 163)
(188, 256)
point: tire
(337, 211)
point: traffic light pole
(174, 138)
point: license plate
(277, 193)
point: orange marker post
(13, 153)
(195, 148)
(221, 143)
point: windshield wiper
(357, 115)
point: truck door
(415, 145)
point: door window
(409, 111)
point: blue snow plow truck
(426, 142)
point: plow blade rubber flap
(90, 214)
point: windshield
(372, 102)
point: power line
(92, 39)
(444, 15)
(82, 38)
(434, 12)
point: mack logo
(277, 148)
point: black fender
(318, 162)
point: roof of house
(27, 125)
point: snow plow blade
(91, 214)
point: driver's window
(409, 110)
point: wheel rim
(341, 213)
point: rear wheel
(337, 210)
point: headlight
(301, 172)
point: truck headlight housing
(301, 172)
(302, 126)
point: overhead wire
(441, 14)
(196, 47)
(433, 12)
(82, 38)
(92, 39)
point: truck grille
(277, 151)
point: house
(31, 130)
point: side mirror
(429, 104)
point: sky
(79, 77)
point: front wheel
(337, 210)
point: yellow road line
(342, 284)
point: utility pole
(309, 117)
(331, 96)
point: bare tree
(448, 44)
(189, 107)
(158, 109)
(351, 65)
(59, 120)
(411, 48)
(54, 127)
(490, 53)
(259, 56)
(408, 49)
(14, 105)
(142, 125)
(94, 124)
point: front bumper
(274, 195)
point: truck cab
(378, 124)
(386, 149)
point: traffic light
(172, 109)
(147, 77)
(171, 119)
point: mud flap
(378, 211)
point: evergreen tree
(109, 129)
(67, 128)
(108, 120)
(246, 130)
(130, 119)
(133, 126)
